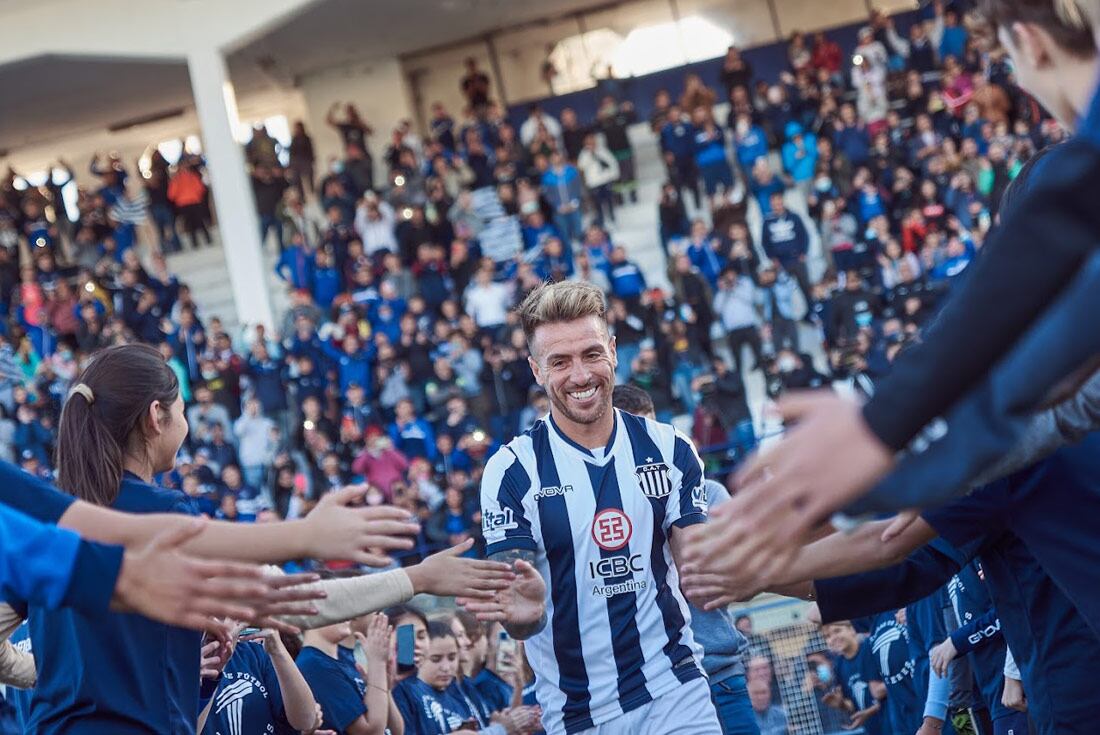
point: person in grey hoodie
(724, 647)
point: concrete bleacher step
(206, 273)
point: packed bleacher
(398, 362)
(810, 223)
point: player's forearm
(259, 542)
(939, 693)
(979, 632)
(1049, 430)
(298, 701)
(802, 590)
(867, 593)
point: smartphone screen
(406, 646)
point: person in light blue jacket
(799, 155)
(561, 184)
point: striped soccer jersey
(618, 632)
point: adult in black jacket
(647, 373)
(268, 185)
(505, 379)
(724, 391)
(853, 308)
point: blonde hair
(565, 301)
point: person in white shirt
(374, 223)
(600, 170)
(530, 127)
(737, 306)
(487, 301)
(253, 432)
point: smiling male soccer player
(593, 500)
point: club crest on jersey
(654, 480)
(611, 529)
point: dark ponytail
(99, 419)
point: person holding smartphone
(353, 701)
(429, 702)
(411, 635)
(259, 689)
(509, 713)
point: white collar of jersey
(583, 452)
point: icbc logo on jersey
(611, 529)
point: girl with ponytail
(121, 425)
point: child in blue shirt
(348, 695)
(430, 702)
(858, 676)
(261, 691)
(889, 641)
(249, 501)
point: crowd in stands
(398, 362)
(876, 171)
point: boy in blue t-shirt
(249, 695)
(858, 677)
(889, 641)
(347, 694)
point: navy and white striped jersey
(618, 632)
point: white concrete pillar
(238, 222)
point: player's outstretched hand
(522, 603)
(161, 582)
(449, 574)
(338, 531)
(711, 580)
(708, 582)
(823, 463)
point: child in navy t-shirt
(430, 702)
(858, 675)
(889, 641)
(248, 698)
(338, 684)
